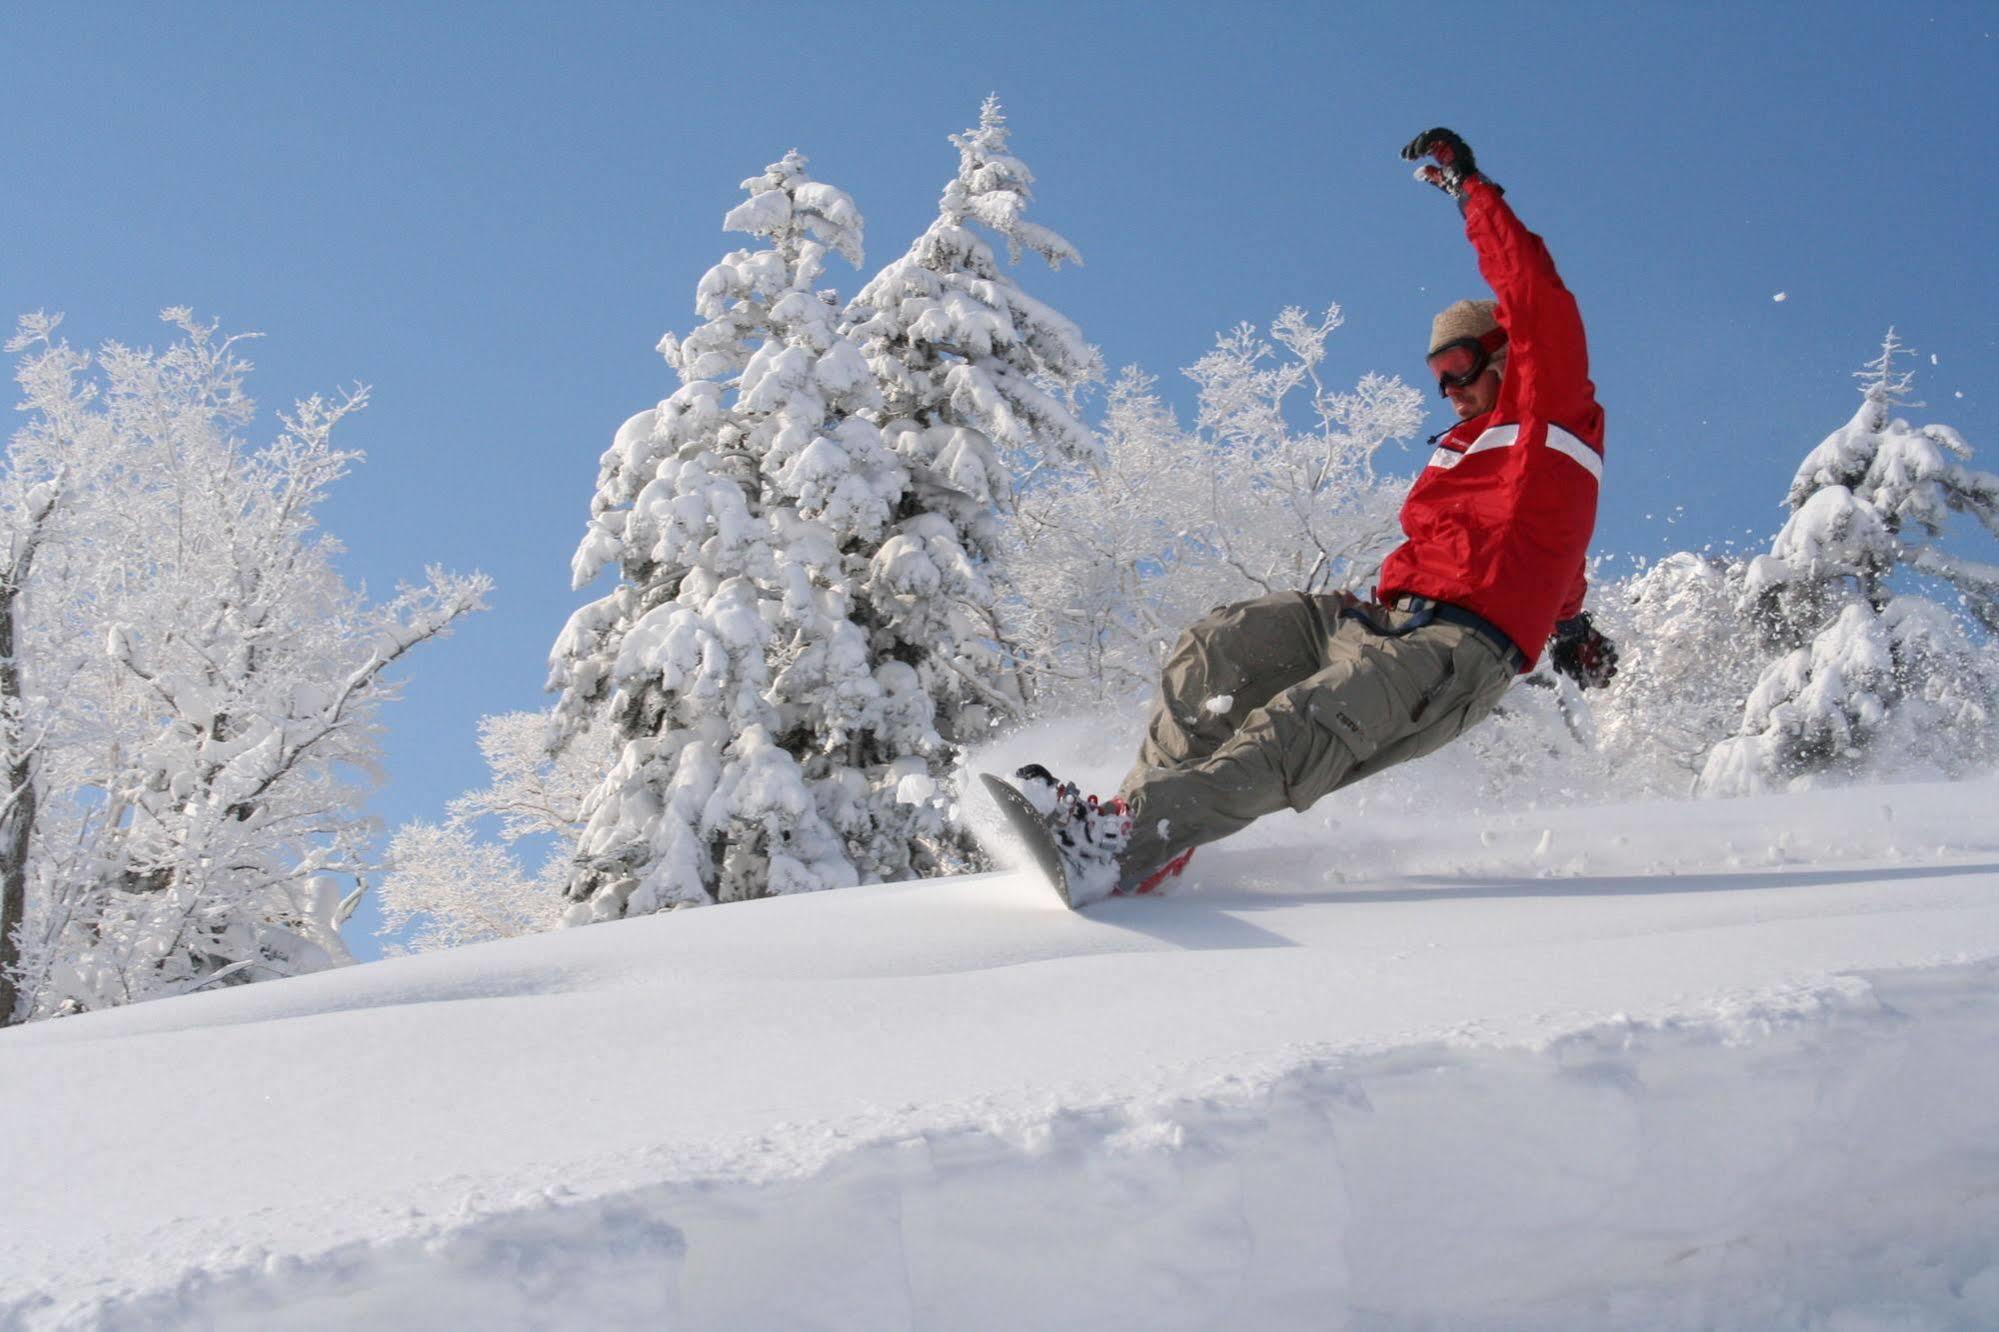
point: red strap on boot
(1151, 882)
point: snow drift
(1673, 1065)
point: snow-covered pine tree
(192, 688)
(765, 743)
(977, 379)
(1863, 659)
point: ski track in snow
(1723, 1064)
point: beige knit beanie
(1466, 319)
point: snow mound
(1704, 1065)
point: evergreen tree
(1862, 659)
(976, 377)
(764, 743)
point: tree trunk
(18, 824)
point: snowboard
(1025, 823)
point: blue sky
(491, 212)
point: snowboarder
(1279, 701)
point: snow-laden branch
(1111, 565)
(200, 688)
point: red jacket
(1500, 521)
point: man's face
(1476, 398)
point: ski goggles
(1459, 362)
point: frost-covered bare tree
(194, 691)
(1112, 562)
(1687, 664)
(1866, 665)
(29, 511)
(464, 881)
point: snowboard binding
(1090, 833)
(1078, 840)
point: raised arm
(1548, 355)
(1547, 366)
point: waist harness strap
(1478, 624)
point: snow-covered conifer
(193, 687)
(766, 740)
(1858, 645)
(976, 377)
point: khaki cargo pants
(1278, 702)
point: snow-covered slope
(1720, 1064)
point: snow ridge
(1691, 1173)
(1712, 1064)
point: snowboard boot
(1091, 834)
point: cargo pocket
(1451, 690)
(1445, 680)
(1482, 676)
(1493, 677)
(1378, 695)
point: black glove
(1578, 651)
(1455, 163)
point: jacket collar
(1464, 432)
